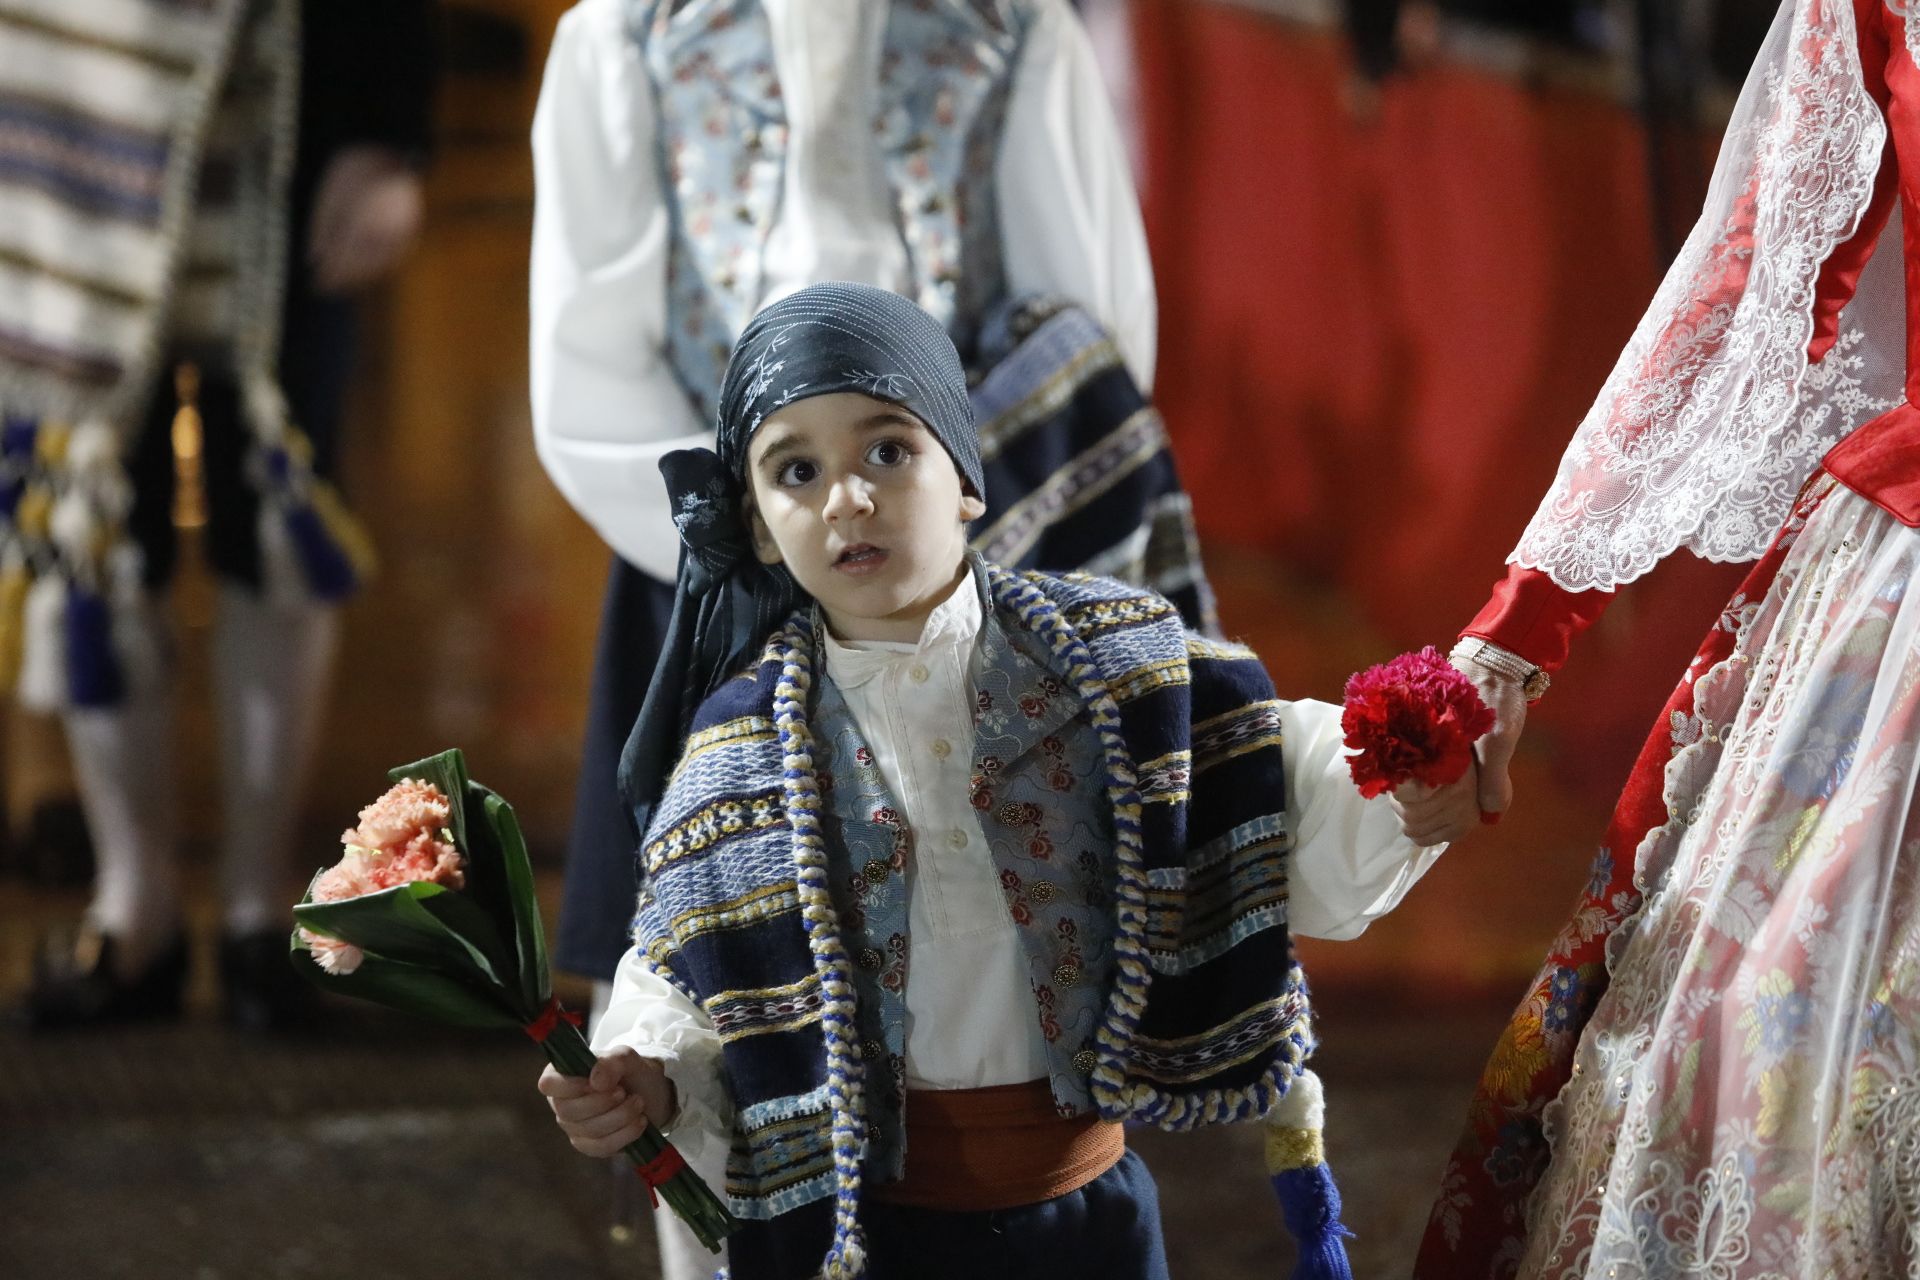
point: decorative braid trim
(1113, 1095)
(1042, 617)
(846, 1259)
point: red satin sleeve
(1535, 617)
(1840, 274)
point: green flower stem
(685, 1192)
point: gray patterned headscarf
(826, 338)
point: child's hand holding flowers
(604, 1111)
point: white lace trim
(1708, 426)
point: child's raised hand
(1437, 815)
(605, 1111)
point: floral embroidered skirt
(1718, 1073)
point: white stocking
(270, 666)
(123, 765)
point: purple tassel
(94, 678)
(329, 572)
(1311, 1204)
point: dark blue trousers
(1107, 1230)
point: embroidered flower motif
(1516, 1153)
(1602, 874)
(1777, 1016)
(1033, 707)
(883, 386)
(1563, 999)
(703, 507)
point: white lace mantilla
(1710, 422)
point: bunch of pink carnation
(402, 837)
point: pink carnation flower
(399, 840)
(331, 954)
(408, 808)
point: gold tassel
(34, 516)
(50, 443)
(348, 533)
(1294, 1149)
(13, 608)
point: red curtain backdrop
(1378, 333)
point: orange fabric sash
(971, 1150)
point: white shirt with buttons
(972, 1020)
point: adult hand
(365, 217)
(605, 1111)
(1494, 752)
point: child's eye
(888, 453)
(798, 472)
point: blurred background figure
(180, 281)
(1375, 330)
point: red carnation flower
(1416, 719)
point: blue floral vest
(947, 67)
(1040, 790)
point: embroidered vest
(1040, 793)
(1202, 1014)
(946, 71)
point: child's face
(865, 508)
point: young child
(959, 869)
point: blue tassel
(329, 571)
(17, 436)
(1311, 1204)
(94, 678)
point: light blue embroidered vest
(1039, 792)
(947, 67)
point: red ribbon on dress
(550, 1017)
(658, 1170)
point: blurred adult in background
(1717, 1071)
(209, 185)
(696, 163)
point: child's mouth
(861, 558)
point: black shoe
(264, 992)
(74, 984)
(56, 848)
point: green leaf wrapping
(529, 937)
(399, 924)
(424, 992)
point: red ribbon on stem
(657, 1171)
(550, 1017)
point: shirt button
(957, 838)
(1085, 1061)
(941, 748)
(869, 959)
(918, 673)
(1066, 975)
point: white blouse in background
(606, 403)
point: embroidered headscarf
(824, 339)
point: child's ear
(972, 506)
(765, 550)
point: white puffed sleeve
(1069, 218)
(606, 403)
(1351, 863)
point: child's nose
(849, 496)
